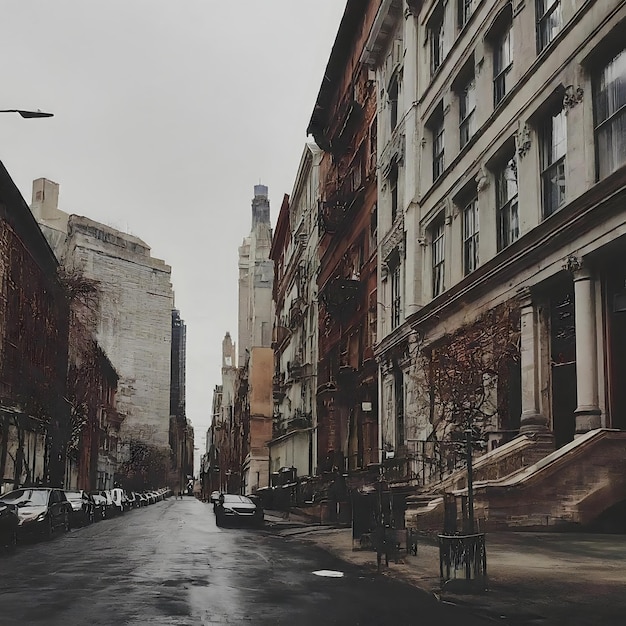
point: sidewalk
(534, 578)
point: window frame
(467, 111)
(438, 256)
(507, 206)
(599, 126)
(437, 130)
(471, 235)
(464, 12)
(549, 163)
(393, 189)
(393, 94)
(501, 72)
(436, 34)
(544, 10)
(396, 294)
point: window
(506, 204)
(470, 236)
(466, 8)
(393, 104)
(396, 294)
(438, 257)
(373, 230)
(436, 35)
(549, 21)
(393, 187)
(609, 100)
(553, 149)
(399, 402)
(502, 64)
(372, 146)
(436, 128)
(467, 107)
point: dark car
(83, 508)
(237, 509)
(40, 510)
(9, 521)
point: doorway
(563, 362)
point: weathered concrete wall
(134, 322)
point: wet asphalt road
(170, 564)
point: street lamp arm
(28, 114)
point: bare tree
(467, 375)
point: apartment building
(501, 222)
(296, 263)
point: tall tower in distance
(256, 278)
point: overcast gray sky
(166, 114)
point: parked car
(83, 508)
(143, 499)
(120, 500)
(40, 510)
(9, 522)
(102, 508)
(237, 509)
(133, 503)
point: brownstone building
(344, 126)
(34, 313)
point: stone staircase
(569, 488)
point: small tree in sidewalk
(467, 374)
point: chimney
(45, 201)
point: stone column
(587, 412)
(531, 421)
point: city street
(169, 564)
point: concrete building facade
(133, 321)
(296, 263)
(505, 126)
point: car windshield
(32, 497)
(73, 495)
(233, 499)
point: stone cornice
(565, 226)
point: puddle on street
(327, 573)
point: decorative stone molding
(524, 297)
(573, 95)
(482, 179)
(384, 271)
(573, 264)
(392, 153)
(523, 139)
(412, 8)
(395, 239)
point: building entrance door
(616, 327)
(563, 362)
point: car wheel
(66, 522)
